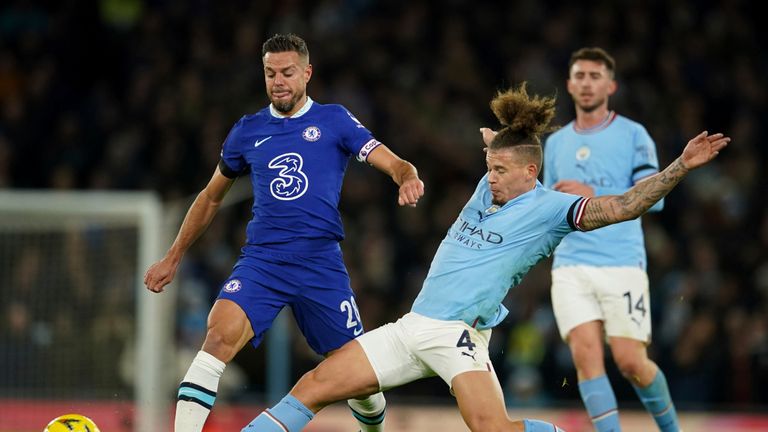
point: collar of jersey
(597, 128)
(307, 105)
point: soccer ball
(72, 423)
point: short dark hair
(284, 43)
(595, 54)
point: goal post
(114, 231)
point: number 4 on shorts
(465, 341)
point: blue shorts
(315, 285)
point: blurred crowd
(139, 94)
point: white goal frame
(155, 314)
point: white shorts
(618, 296)
(418, 347)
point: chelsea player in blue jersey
(599, 281)
(508, 225)
(295, 152)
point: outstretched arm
(199, 216)
(611, 209)
(402, 172)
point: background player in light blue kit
(508, 225)
(296, 152)
(599, 280)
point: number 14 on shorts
(635, 307)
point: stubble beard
(591, 108)
(286, 107)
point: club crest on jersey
(583, 153)
(311, 134)
(232, 286)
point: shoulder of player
(331, 109)
(543, 194)
(627, 122)
(261, 116)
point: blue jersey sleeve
(355, 137)
(645, 162)
(233, 164)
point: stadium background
(138, 95)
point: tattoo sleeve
(611, 209)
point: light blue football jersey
(489, 249)
(611, 158)
(297, 167)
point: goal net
(79, 333)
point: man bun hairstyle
(524, 117)
(285, 43)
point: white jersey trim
(307, 105)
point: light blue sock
(288, 415)
(600, 402)
(659, 404)
(540, 426)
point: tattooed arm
(611, 209)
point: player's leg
(579, 318)
(628, 326)
(228, 331)
(327, 315)
(361, 367)
(458, 353)
(586, 343)
(648, 380)
(481, 404)
(243, 312)
(346, 374)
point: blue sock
(600, 402)
(288, 415)
(659, 404)
(540, 426)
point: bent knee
(631, 366)
(222, 344)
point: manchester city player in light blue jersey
(295, 152)
(508, 225)
(599, 281)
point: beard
(591, 107)
(286, 106)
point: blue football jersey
(489, 249)
(611, 158)
(297, 166)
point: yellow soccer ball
(71, 423)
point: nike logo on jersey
(261, 141)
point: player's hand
(702, 149)
(488, 135)
(410, 192)
(160, 274)
(574, 187)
